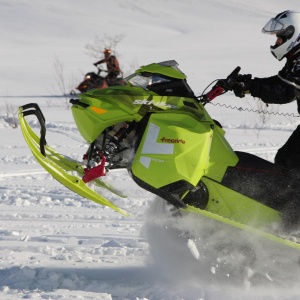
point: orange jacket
(112, 64)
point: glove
(241, 86)
(95, 64)
(240, 89)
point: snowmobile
(157, 129)
(94, 80)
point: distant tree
(96, 48)
(61, 87)
(10, 115)
(99, 44)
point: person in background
(283, 87)
(112, 64)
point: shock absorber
(113, 146)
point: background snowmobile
(94, 80)
(161, 132)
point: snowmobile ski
(59, 165)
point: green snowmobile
(160, 131)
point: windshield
(146, 80)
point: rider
(285, 86)
(112, 65)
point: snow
(57, 245)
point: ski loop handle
(34, 109)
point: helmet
(287, 26)
(107, 52)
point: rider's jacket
(112, 64)
(281, 88)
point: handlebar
(222, 86)
(100, 70)
(233, 75)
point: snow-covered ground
(57, 245)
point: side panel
(237, 207)
(175, 147)
(221, 155)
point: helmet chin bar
(281, 51)
(274, 54)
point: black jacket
(282, 88)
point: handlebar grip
(217, 91)
(234, 73)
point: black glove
(95, 64)
(240, 89)
(241, 85)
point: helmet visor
(273, 27)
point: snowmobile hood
(97, 110)
(167, 68)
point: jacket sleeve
(275, 89)
(99, 62)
